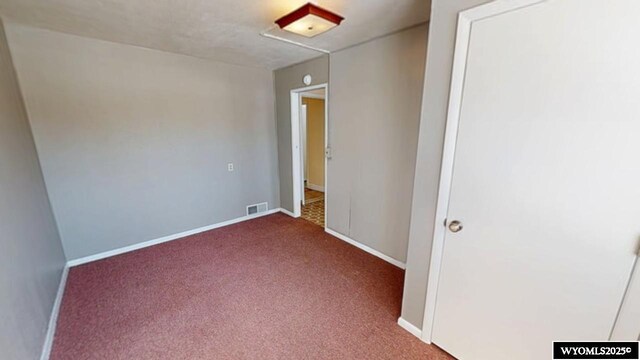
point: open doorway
(309, 139)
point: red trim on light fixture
(309, 9)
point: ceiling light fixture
(309, 20)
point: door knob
(455, 226)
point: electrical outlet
(230, 166)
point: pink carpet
(270, 288)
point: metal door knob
(455, 226)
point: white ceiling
(317, 93)
(223, 30)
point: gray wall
(31, 255)
(375, 93)
(134, 143)
(287, 79)
(432, 125)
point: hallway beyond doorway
(313, 210)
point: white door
(545, 178)
(628, 324)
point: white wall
(375, 92)
(31, 255)
(134, 143)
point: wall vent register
(257, 208)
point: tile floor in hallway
(313, 210)
(312, 195)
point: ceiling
(314, 93)
(222, 30)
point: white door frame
(296, 149)
(303, 147)
(465, 20)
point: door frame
(296, 149)
(466, 19)
(303, 147)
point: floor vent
(257, 208)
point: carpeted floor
(269, 288)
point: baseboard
(410, 328)
(53, 319)
(361, 246)
(315, 187)
(126, 249)
(287, 212)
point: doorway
(309, 122)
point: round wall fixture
(307, 79)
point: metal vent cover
(257, 208)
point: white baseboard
(53, 319)
(315, 187)
(126, 249)
(371, 251)
(410, 328)
(287, 212)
